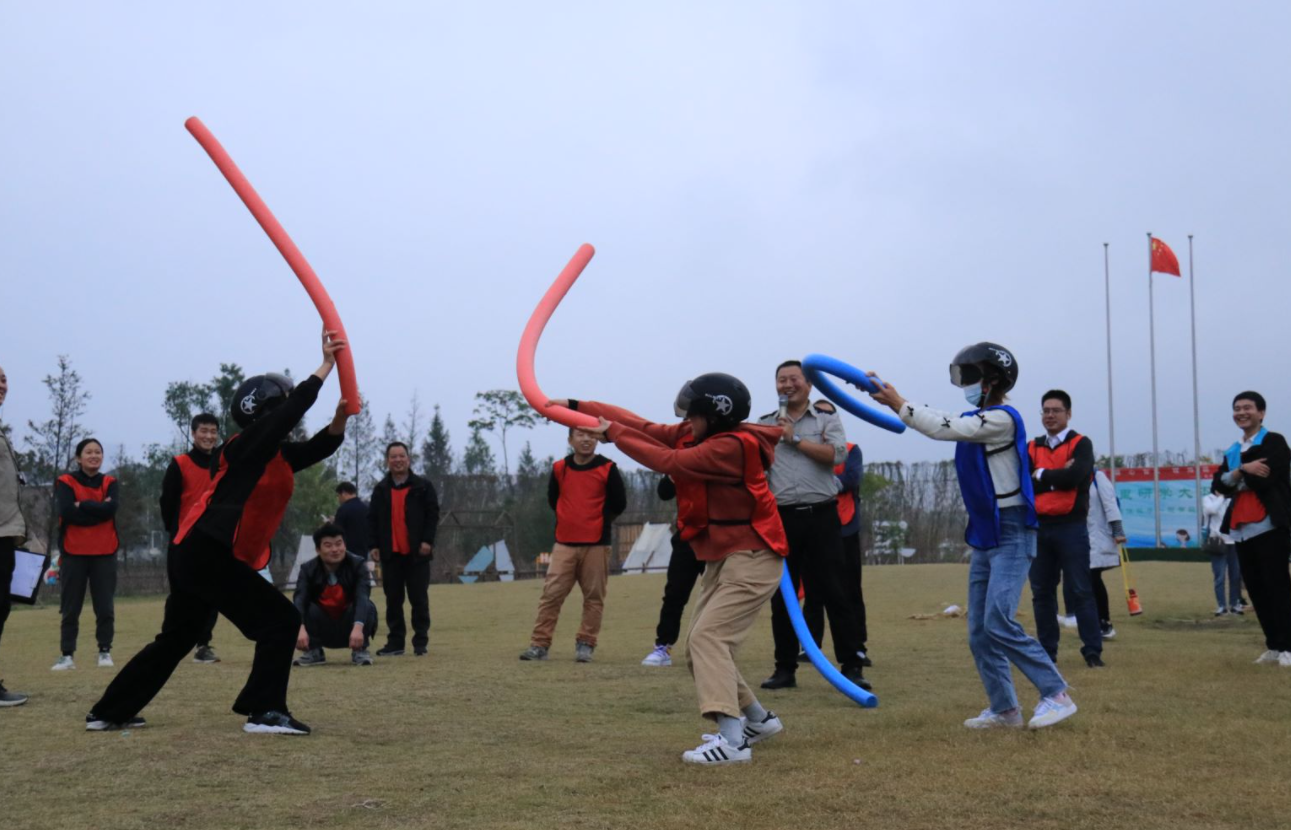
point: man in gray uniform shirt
(802, 480)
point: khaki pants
(734, 590)
(589, 566)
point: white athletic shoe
(1109, 633)
(1284, 659)
(1267, 658)
(661, 656)
(105, 660)
(716, 751)
(990, 720)
(1051, 711)
(1066, 622)
(64, 663)
(768, 727)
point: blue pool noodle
(818, 366)
(826, 669)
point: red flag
(1163, 259)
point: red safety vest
(580, 509)
(194, 481)
(90, 540)
(1054, 502)
(847, 498)
(692, 500)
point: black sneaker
(275, 723)
(420, 651)
(1094, 661)
(780, 680)
(854, 674)
(803, 659)
(388, 650)
(864, 659)
(205, 654)
(93, 724)
(8, 698)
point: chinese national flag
(1163, 259)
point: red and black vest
(193, 483)
(692, 500)
(685, 506)
(1054, 502)
(847, 498)
(90, 540)
(580, 509)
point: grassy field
(1180, 731)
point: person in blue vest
(995, 481)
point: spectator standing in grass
(1223, 556)
(332, 596)
(13, 531)
(684, 570)
(352, 517)
(1256, 475)
(87, 502)
(186, 480)
(1106, 535)
(993, 469)
(586, 492)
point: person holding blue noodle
(995, 482)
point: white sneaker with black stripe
(766, 728)
(93, 723)
(716, 750)
(275, 723)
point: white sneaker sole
(7, 703)
(700, 761)
(104, 726)
(1051, 718)
(262, 729)
(978, 723)
(57, 667)
(667, 661)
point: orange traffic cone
(1132, 599)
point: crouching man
(332, 598)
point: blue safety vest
(978, 490)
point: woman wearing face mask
(995, 482)
(87, 537)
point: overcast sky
(883, 183)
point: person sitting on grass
(332, 598)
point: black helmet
(985, 360)
(724, 400)
(257, 395)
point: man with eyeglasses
(1062, 464)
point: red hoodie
(719, 462)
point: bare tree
(412, 423)
(53, 440)
(501, 410)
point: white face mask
(974, 394)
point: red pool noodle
(529, 344)
(295, 259)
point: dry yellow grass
(1180, 731)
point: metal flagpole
(1111, 416)
(1152, 351)
(1196, 411)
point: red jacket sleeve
(666, 434)
(712, 460)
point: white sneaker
(717, 751)
(661, 656)
(1284, 659)
(1109, 633)
(64, 663)
(105, 660)
(990, 720)
(768, 727)
(1267, 658)
(1066, 622)
(1051, 711)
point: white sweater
(994, 428)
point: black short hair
(1254, 397)
(1057, 395)
(786, 364)
(825, 406)
(347, 487)
(203, 418)
(85, 442)
(394, 444)
(327, 531)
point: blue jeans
(1062, 553)
(996, 639)
(1226, 563)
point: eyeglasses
(1052, 411)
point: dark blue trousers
(1062, 554)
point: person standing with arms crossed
(403, 517)
(187, 477)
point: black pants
(1062, 555)
(408, 575)
(205, 575)
(1100, 597)
(6, 578)
(683, 571)
(325, 632)
(816, 559)
(208, 630)
(813, 610)
(1264, 571)
(100, 574)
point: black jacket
(421, 512)
(352, 519)
(1273, 492)
(1076, 477)
(351, 574)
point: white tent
(502, 562)
(480, 561)
(651, 551)
(304, 553)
